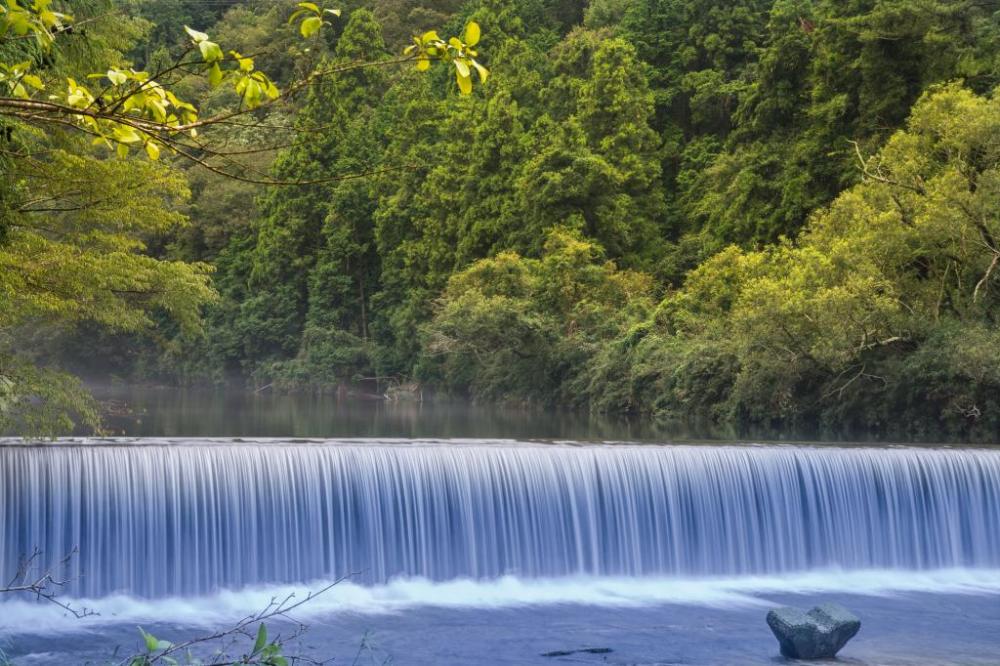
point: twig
(43, 583)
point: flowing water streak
(193, 517)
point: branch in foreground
(249, 633)
(44, 584)
(263, 651)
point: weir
(191, 517)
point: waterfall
(190, 517)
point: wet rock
(566, 653)
(818, 634)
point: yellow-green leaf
(464, 82)
(198, 37)
(310, 25)
(483, 72)
(116, 77)
(472, 34)
(33, 81)
(423, 64)
(214, 75)
(125, 134)
(152, 150)
(210, 51)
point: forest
(778, 212)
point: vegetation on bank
(767, 211)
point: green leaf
(198, 37)
(310, 25)
(33, 81)
(153, 152)
(149, 638)
(483, 72)
(311, 6)
(159, 111)
(246, 64)
(214, 75)
(261, 639)
(116, 77)
(210, 51)
(125, 134)
(472, 34)
(464, 83)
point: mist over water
(189, 518)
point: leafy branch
(138, 109)
(263, 651)
(246, 643)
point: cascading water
(186, 518)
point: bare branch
(244, 629)
(44, 584)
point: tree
(76, 229)
(848, 323)
(596, 166)
(513, 328)
(830, 73)
(72, 251)
(314, 267)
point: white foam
(402, 594)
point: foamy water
(405, 594)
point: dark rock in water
(818, 634)
(566, 653)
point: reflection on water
(176, 412)
(172, 412)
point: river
(468, 535)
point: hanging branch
(139, 109)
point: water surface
(480, 535)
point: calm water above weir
(171, 412)
(463, 542)
(152, 411)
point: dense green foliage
(85, 237)
(775, 211)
